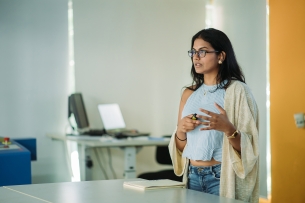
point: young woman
(215, 146)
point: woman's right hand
(187, 124)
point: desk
(130, 147)
(109, 191)
(9, 196)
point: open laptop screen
(111, 116)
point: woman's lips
(197, 65)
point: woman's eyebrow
(201, 48)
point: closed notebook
(153, 184)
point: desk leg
(85, 172)
(130, 162)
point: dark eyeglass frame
(201, 53)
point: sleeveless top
(207, 144)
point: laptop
(114, 123)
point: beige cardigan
(239, 176)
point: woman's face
(207, 64)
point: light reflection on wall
(209, 9)
(72, 147)
(75, 166)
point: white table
(130, 147)
(108, 191)
(9, 196)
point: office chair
(162, 157)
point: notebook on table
(153, 184)
(114, 123)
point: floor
(262, 200)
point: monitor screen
(77, 108)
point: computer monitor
(77, 108)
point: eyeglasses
(201, 53)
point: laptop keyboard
(94, 132)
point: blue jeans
(204, 179)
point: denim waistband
(204, 169)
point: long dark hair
(229, 69)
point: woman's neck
(209, 79)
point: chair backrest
(162, 155)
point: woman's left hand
(216, 121)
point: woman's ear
(221, 57)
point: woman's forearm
(181, 140)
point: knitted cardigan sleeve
(178, 161)
(243, 114)
(239, 174)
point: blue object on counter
(30, 144)
(15, 167)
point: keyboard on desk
(94, 132)
(128, 133)
(134, 134)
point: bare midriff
(204, 163)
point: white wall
(33, 79)
(134, 53)
(245, 24)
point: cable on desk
(102, 153)
(110, 162)
(100, 164)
